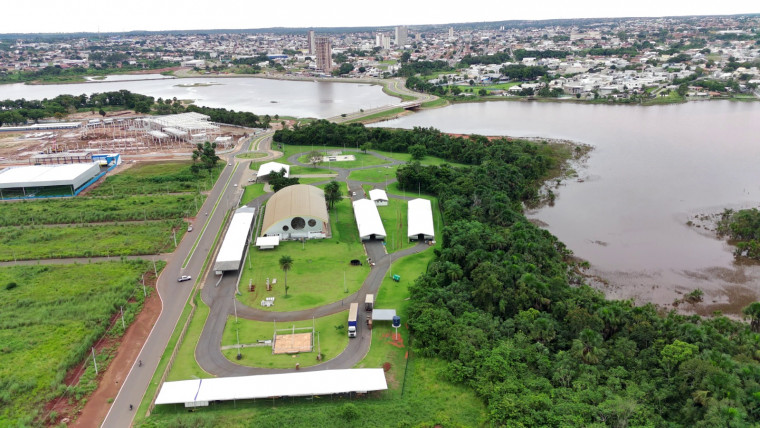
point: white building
(267, 168)
(368, 220)
(379, 197)
(420, 220)
(296, 212)
(233, 247)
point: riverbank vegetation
(58, 74)
(742, 227)
(501, 306)
(50, 317)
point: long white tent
(420, 217)
(267, 168)
(368, 220)
(231, 253)
(199, 392)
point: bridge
(411, 105)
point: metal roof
(231, 254)
(299, 200)
(75, 174)
(368, 219)
(420, 218)
(268, 241)
(320, 382)
(383, 314)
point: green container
(396, 278)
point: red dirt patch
(126, 349)
(386, 366)
(394, 339)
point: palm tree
(286, 263)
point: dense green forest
(17, 112)
(512, 318)
(742, 226)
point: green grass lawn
(500, 86)
(40, 242)
(307, 170)
(251, 192)
(48, 322)
(99, 209)
(185, 366)
(156, 177)
(386, 113)
(252, 155)
(438, 102)
(427, 160)
(329, 339)
(362, 159)
(374, 175)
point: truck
(353, 310)
(369, 302)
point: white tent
(231, 253)
(379, 197)
(269, 167)
(368, 220)
(198, 392)
(420, 217)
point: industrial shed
(267, 168)
(296, 212)
(368, 220)
(200, 392)
(233, 248)
(420, 217)
(379, 197)
(46, 180)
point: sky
(56, 16)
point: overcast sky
(125, 15)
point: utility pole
(95, 363)
(124, 326)
(145, 294)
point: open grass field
(317, 276)
(251, 192)
(307, 170)
(157, 177)
(99, 209)
(185, 366)
(41, 242)
(427, 160)
(362, 159)
(49, 320)
(374, 175)
(332, 341)
(252, 155)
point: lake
(651, 171)
(260, 96)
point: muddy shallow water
(651, 171)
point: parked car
(184, 278)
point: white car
(190, 228)
(184, 278)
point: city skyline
(143, 15)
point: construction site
(84, 139)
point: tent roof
(275, 385)
(231, 253)
(368, 219)
(420, 217)
(268, 241)
(269, 167)
(383, 314)
(299, 200)
(378, 194)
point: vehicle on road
(234, 185)
(190, 228)
(184, 278)
(353, 311)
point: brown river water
(652, 170)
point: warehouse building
(232, 252)
(296, 212)
(47, 180)
(368, 220)
(420, 218)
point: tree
(332, 193)
(102, 112)
(286, 263)
(418, 151)
(753, 313)
(206, 154)
(366, 146)
(315, 158)
(405, 57)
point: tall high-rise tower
(324, 54)
(401, 35)
(311, 43)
